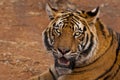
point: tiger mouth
(63, 61)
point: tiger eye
(57, 30)
(77, 33)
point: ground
(22, 53)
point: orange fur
(95, 49)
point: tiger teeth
(66, 64)
(63, 62)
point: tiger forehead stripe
(79, 24)
(71, 17)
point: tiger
(82, 46)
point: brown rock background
(22, 53)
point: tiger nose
(63, 50)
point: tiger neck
(105, 39)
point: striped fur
(82, 46)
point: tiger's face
(70, 38)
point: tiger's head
(71, 37)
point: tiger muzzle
(64, 51)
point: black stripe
(76, 19)
(46, 42)
(101, 26)
(54, 78)
(107, 77)
(86, 52)
(38, 77)
(75, 23)
(64, 18)
(86, 41)
(118, 37)
(116, 73)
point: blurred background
(22, 53)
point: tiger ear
(93, 15)
(51, 11)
